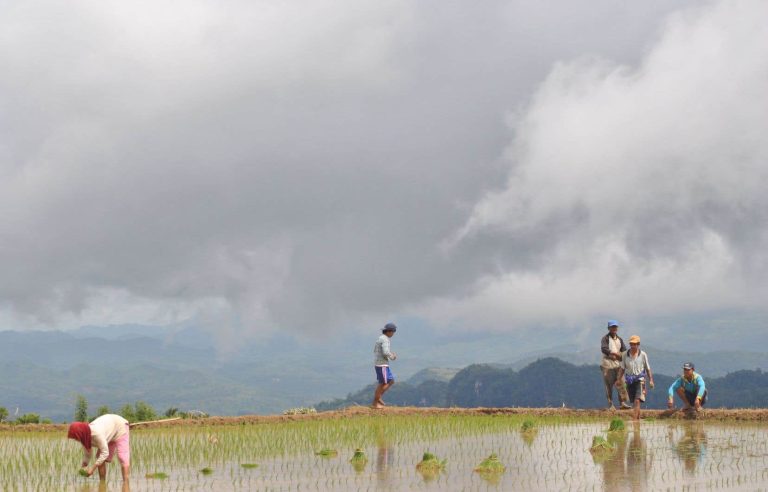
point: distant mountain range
(44, 371)
(549, 382)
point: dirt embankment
(712, 415)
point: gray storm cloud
(294, 165)
(637, 189)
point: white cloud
(640, 188)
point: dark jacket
(604, 345)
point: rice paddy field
(531, 453)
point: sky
(261, 166)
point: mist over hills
(184, 367)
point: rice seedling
(327, 453)
(359, 460)
(430, 462)
(82, 473)
(601, 445)
(529, 425)
(249, 466)
(617, 425)
(156, 475)
(430, 466)
(491, 465)
(206, 471)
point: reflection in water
(101, 486)
(638, 463)
(628, 467)
(691, 446)
(614, 467)
(384, 461)
(529, 436)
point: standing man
(690, 388)
(381, 357)
(634, 370)
(612, 347)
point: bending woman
(108, 433)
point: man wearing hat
(381, 357)
(612, 346)
(690, 388)
(634, 370)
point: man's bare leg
(103, 471)
(380, 390)
(126, 469)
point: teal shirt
(695, 385)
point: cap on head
(688, 365)
(634, 339)
(612, 323)
(389, 327)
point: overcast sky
(261, 165)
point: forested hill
(551, 382)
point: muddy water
(647, 456)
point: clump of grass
(359, 457)
(206, 471)
(327, 453)
(158, 475)
(617, 425)
(249, 466)
(529, 425)
(359, 460)
(600, 445)
(491, 465)
(430, 466)
(430, 462)
(82, 473)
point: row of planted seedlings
(223, 450)
(542, 455)
(188, 452)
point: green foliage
(430, 462)
(491, 465)
(528, 425)
(206, 471)
(359, 457)
(158, 475)
(28, 418)
(601, 445)
(171, 412)
(617, 424)
(102, 410)
(144, 412)
(81, 409)
(327, 453)
(3, 414)
(82, 472)
(139, 412)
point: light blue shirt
(695, 385)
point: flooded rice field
(552, 454)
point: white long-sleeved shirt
(381, 352)
(104, 430)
